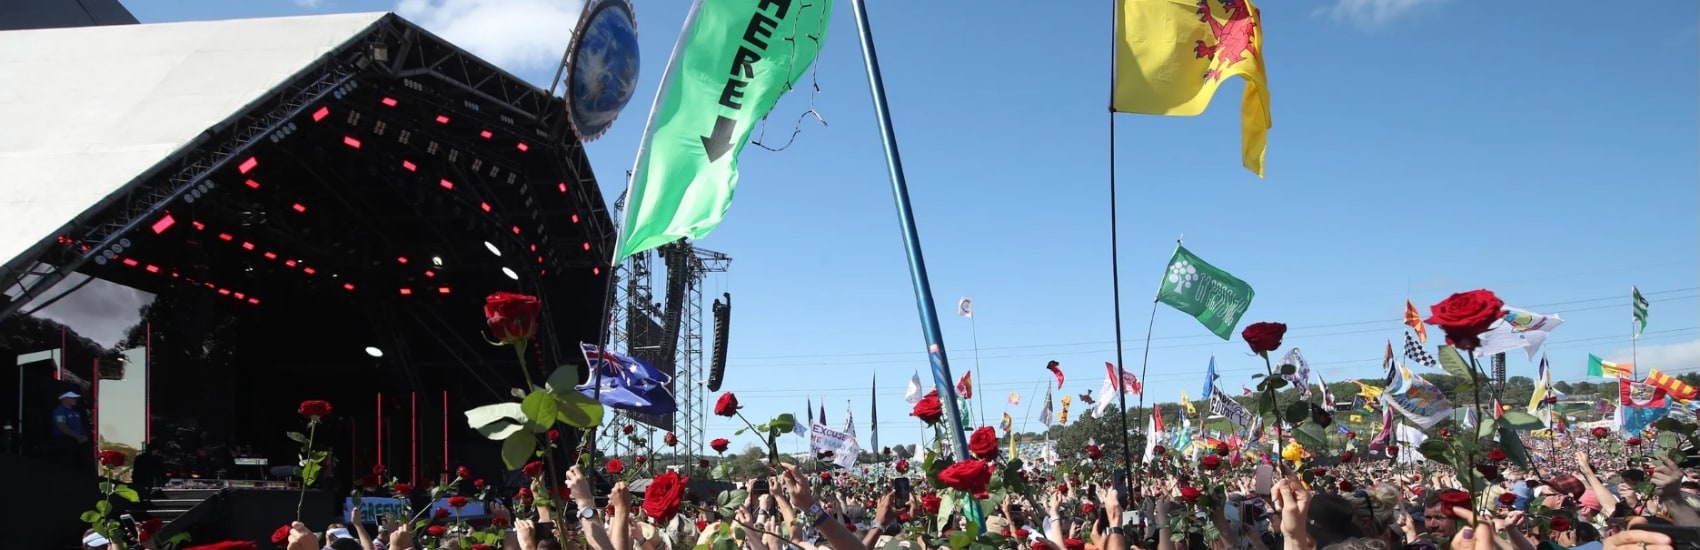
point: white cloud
(1373, 13)
(1675, 358)
(516, 35)
(309, 4)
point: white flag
(1300, 378)
(913, 394)
(1520, 328)
(1104, 402)
(1045, 413)
(965, 307)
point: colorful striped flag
(1640, 310)
(965, 386)
(1607, 369)
(1675, 388)
(1415, 321)
(1007, 423)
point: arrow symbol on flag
(718, 143)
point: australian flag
(627, 383)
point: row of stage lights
(249, 165)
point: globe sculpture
(602, 67)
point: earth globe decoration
(602, 67)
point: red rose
(1346, 456)
(1074, 544)
(477, 484)
(146, 529)
(929, 409)
(639, 459)
(902, 466)
(670, 439)
(983, 443)
(1559, 524)
(614, 466)
(968, 476)
(498, 521)
(1087, 507)
(1600, 433)
(403, 489)
(1346, 486)
(524, 493)
(377, 469)
(112, 458)
(441, 513)
(1445, 433)
(457, 501)
(719, 444)
(1496, 455)
(1465, 316)
(1454, 499)
(1264, 337)
(512, 317)
(1507, 499)
(825, 476)
(315, 409)
(481, 546)
(1222, 449)
(627, 429)
(281, 535)
(533, 469)
(463, 473)
(727, 405)
(1489, 472)
(554, 435)
(1392, 450)
(702, 463)
(371, 481)
(930, 503)
(1319, 471)
(1157, 450)
(436, 530)
(1093, 452)
(1190, 494)
(1210, 462)
(1351, 435)
(702, 524)
(1633, 441)
(666, 492)
(903, 517)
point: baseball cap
(72, 395)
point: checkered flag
(1416, 353)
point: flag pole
(974, 331)
(912, 245)
(1633, 326)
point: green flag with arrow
(732, 63)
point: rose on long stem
(1274, 396)
(548, 455)
(767, 443)
(1476, 398)
(312, 428)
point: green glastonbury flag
(734, 60)
(1210, 295)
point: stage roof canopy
(90, 110)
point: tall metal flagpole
(980, 375)
(1115, 263)
(912, 246)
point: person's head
(1436, 517)
(69, 398)
(1332, 519)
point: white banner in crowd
(371, 508)
(842, 445)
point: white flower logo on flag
(1182, 274)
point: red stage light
(252, 184)
(562, 186)
(410, 166)
(351, 142)
(163, 224)
(254, 301)
(247, 246)
(225, 236)
(224, 292)
(533, 247)
(485, 134)
(348, 286)
(321, 114)
(271, 255)
(442, 290)
(309, 270)
(539, 259)
(485, 206)
(522, 146)
(401, 260)
(200, 226)
(595, 271)
(587, 246)
(446, 184)
(238, 295)
(389, 101)
(516, 230)
(430, 274)
(575, 218)
(289, 263)
(247, 165)
(442, 119)
(407, 292)
(152, 268)
(298, 207)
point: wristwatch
(817, 515)
(587, 513)
(1117, 530)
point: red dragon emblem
(1233, 36)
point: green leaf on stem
(501, 429)
(310, 473)
(578, 410)
(730, 501)
(298, 437)
(725, 543)
(1453, 363)
(178, 539)
(480, 417)
(1298, 412)
(102, 508)
(539, 408)
(784, 423)
(1266, 403)
(959, 540)
(1311, 436)
(92, 517)
(517, 449)
(1524, 421)
(1487, 428)
(1513, 446)
(564, 379)
(1289, 370)
(1668, 424)
(947, 507)
(1436, 450)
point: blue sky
(1419, 148)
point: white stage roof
(87, 110)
